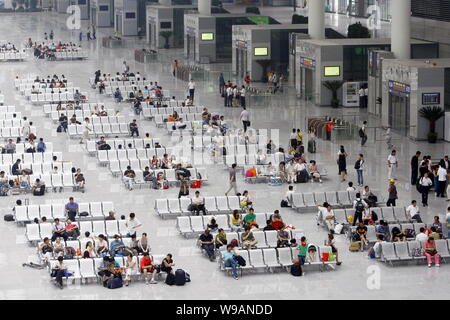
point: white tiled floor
(350, 279)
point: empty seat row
(5, 109)
(12, 56)
(14, 122)
(407, 251)
(51, 211)
(71, 55)
(35, 157)
(242, 160)
(312, 199)
(55, 97)
(151, 111)
(76, 130)
(213, 205)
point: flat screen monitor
(263, 51)
(431, 98)
(130, 15)
(166, 25)
(207, 36)
(103, 8)
(333, 71)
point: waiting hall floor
(350, 279)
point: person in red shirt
(72, 230)
(147, 266)
(328, 129)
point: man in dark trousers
(415, 167)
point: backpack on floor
(180, 277)
(354, 246)
(296, 270)
(114, 283)
(170, 279)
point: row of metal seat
(136, 143)
(41, 168)
(86, 269)
(81, 114)
(7, 109)
(14, 132)
(76, 130)
(307, 200)
(279, 257)
(55, 180)
(43, 87)
(38, 231)
(405, 251)
(168, 174)
(55, 97)
(162, 119)
(213, 205)
(35, 157)
(71, 55)
(90, 107)
(242, 160)
(371, 235)
(10, 115)
(12, 56)
(29, 92)
(189, 126)
(151, 111)
(188, 225)
(28, 213)
(105, 156)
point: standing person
(361, 97)
(442, 180)
(302, 252)
(45, 36)
(247, 79)
(184, 187)
(342, 163)
(388, 138)
(424, 187)
(415, 167)
(245, 118)
(221, 84)
(88, 34)
(360, 206)
(242, 95)
(228, 96)
(366, 96)
(81, 35)
(363, 134)
(174, 67)
(359, 167)
(51, 34)
(293, 139)
(232, 179)
(191, 87)
(329, 128)
(93, 32)
(86, 130)
(299, 138)
(392, 191)
(392, 163)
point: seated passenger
(207, 243)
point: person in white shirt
(392, 163)
(290, 169)
(424, 186)
(376, 249)
(361, 97)
(329, 217)
(412, 211)
(422, 236)
(191, 87)
(350, 187)
(442, 180)
(132, 225)
(228, 96)
(388, 138)
(86, 130)
(245, 118)
(288, 195)
(242, 95)
(130, 268)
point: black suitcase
(180, 277)
(311, 146)
(8, 217)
